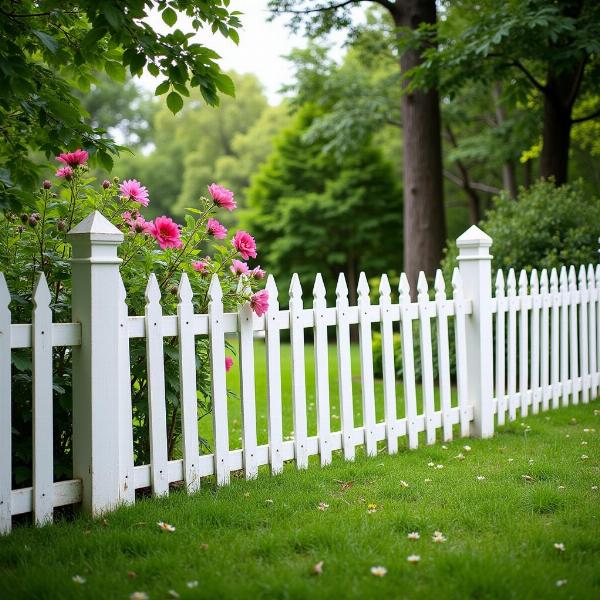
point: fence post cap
(97, 227)
(474, 237)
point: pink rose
(166, 232)
(239, 268)
(65, 172)
(259, 302)
(199, 265)
(222, 196)
(73, 159)
(257, 273)
(244, 243)
(228, 363)
(216, 229)
(132, 189)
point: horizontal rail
(65, 492)
(63, 334)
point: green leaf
(162, 88)
(48, 41)
(115, 71)
(169, 16)
(153, 69)
(174, 102)
(105, 160)
(225, 84)
(234, 35)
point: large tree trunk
(509, 173)
(424, 216)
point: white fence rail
(533, 348)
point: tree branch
(589, 117)
(542, 88)
(290, 11)
(481, 187)
(577, 82)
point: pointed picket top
(319, 288)
(404, 288)
(582, 278)
(384, 287)
(456, 281)
(152, 290)
(511, 283)
(554, 280)
(271, 287)
(499, 283)
(98, 225)
(422, 287)
(534, 282)
(4, 292)
(544, 281)
(363, 288)
(184, 289)
(572, 278)
(215, 293)
(41, 292)
(523, 283)
(474, 237)
(563, 280)
(295, 288)
(590, 277)
(439, 284)
(341, 289)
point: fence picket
(555, 339)
(574, 347)
(597, 284)
(534, 358)
(500, 372)
(272, 342)
(387, 364)
(513, 399)
(593, 299)
(298, 373)
(443, 349)
(322, 371)
(5, 410)
(583, 335)
(461, 353)
(523, 343)
(365, 342)
(546, 299)
(187, 385)
(216, 333)
(426, 357)
(564, 336)
(408, 363)
(156, 390)
(344, 368)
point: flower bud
(116, 179)
(20, 229)
(106, 184)
(61, 225)
(47, 184)
(32, 221)
(24, 218)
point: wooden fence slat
(500, 371)
(461, 353)
(322, 371)
(388, 366)
(443, 350)
(534, 358)
(564, 336)
(573, 341)
(511, 294)
(583, 336)
(216, 334)
(593, 299)
(126, 466)
(5, 410)
(298, 373)
(523, 344)
(344, 368)
(546, 300)
(188, 398)
(273, 349)
(365, 341)
(156, 389)
(426, 357)
(43, 430)
(555, 339)
(408, 363)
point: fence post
(475, 266)
(95, 304)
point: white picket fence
(536, 347)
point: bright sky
(261, 49)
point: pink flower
(244, 243)
(239, 268)
(131, 189)
(216, 229)
(73, 159)
(257, 273)
(228, 363)
(260, 302)
(199, 265)
(65, 172)
(222, 196)
(140, 225)
(166, 233)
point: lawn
(261, 539)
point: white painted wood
(365, 341)
(500, 373)
(555, 339)
(188, 398)
(443, 349)
(322, 371)
(298, 374)
(157, 412)
(408, 363)
(218, 382)
(512, 299)
(344, 368)
(475, 264)
(96, 411)
(573, 331)
(534, 359)
(388, 366)
(597, 332)
(43, 430)
(273, 349)
(564, 336)
(5, 410)
(546, 300)
(125, 423)
(523, 344)
(426, 357)
(593, 299)
(583, 336)
(248, 394)
(462, 368)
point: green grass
(263, 537)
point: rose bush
(36, 241)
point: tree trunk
(509, 174)
(424, 216)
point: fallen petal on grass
(413, 559)
(166, 526)
(318, 568)
(378, 571)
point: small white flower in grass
(460, 456)
(561, 582)
(511, 459)
(561, 487)
(139, 596)
(531, 461)
(403, 484)
(414, 535)
(78, 579)
(467, 448)
(480, 478)
(597, 413)
(439, 466)
(527, 478)
(594, 488)
(269, 501)
(584, 443)
(586, 430)
(559, 546)
(431, 464)
(444, 447)
(584, 457)
(371, 508)
(378, 571)
(166, 527)
(438, 537)
(173, 594)
(413, 559)
(323, 506)
(192, 584)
